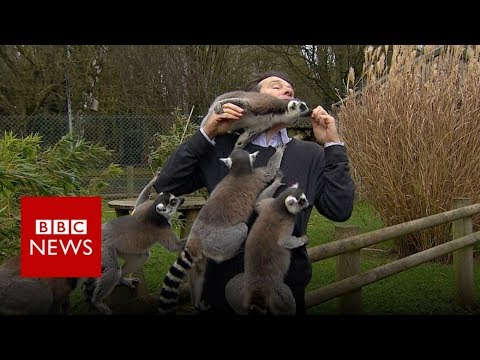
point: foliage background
(64, 169)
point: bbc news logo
(60, 236)
(60, 227)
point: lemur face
(299, 107)
(296, 202)
(167, 204)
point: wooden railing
(347, 249)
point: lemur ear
(295, 186)
(253, 156)
(227, 161)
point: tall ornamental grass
(413, 134)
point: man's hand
(218, 124)
(324, 126)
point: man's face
(277, 87)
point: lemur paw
(255, 309)
(202, 306)
(129, 282)
(218, 108)
(281, 148)
(304, 240)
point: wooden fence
(347, 249)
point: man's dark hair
(253, 85)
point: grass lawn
(427, 289)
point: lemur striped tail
(169, 293)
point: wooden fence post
(348, 264)
(463, 258)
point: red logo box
(61, 236)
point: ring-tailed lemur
(220, 227)
(131, 237)
(261, 288)
(262, 111)
(33, 296)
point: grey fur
(131, 237)
(220, 227)
(262, 112)
(145, 193)
(32, 296)
(267, 257)
(283, 300)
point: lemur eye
(173, 201)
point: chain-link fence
(130, 137)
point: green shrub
(166, 143)
(63, 169)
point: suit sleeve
(181, 173)
(336, 195)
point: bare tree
(153, 79)
(31, 79)
(96, 67)
(321, 70)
